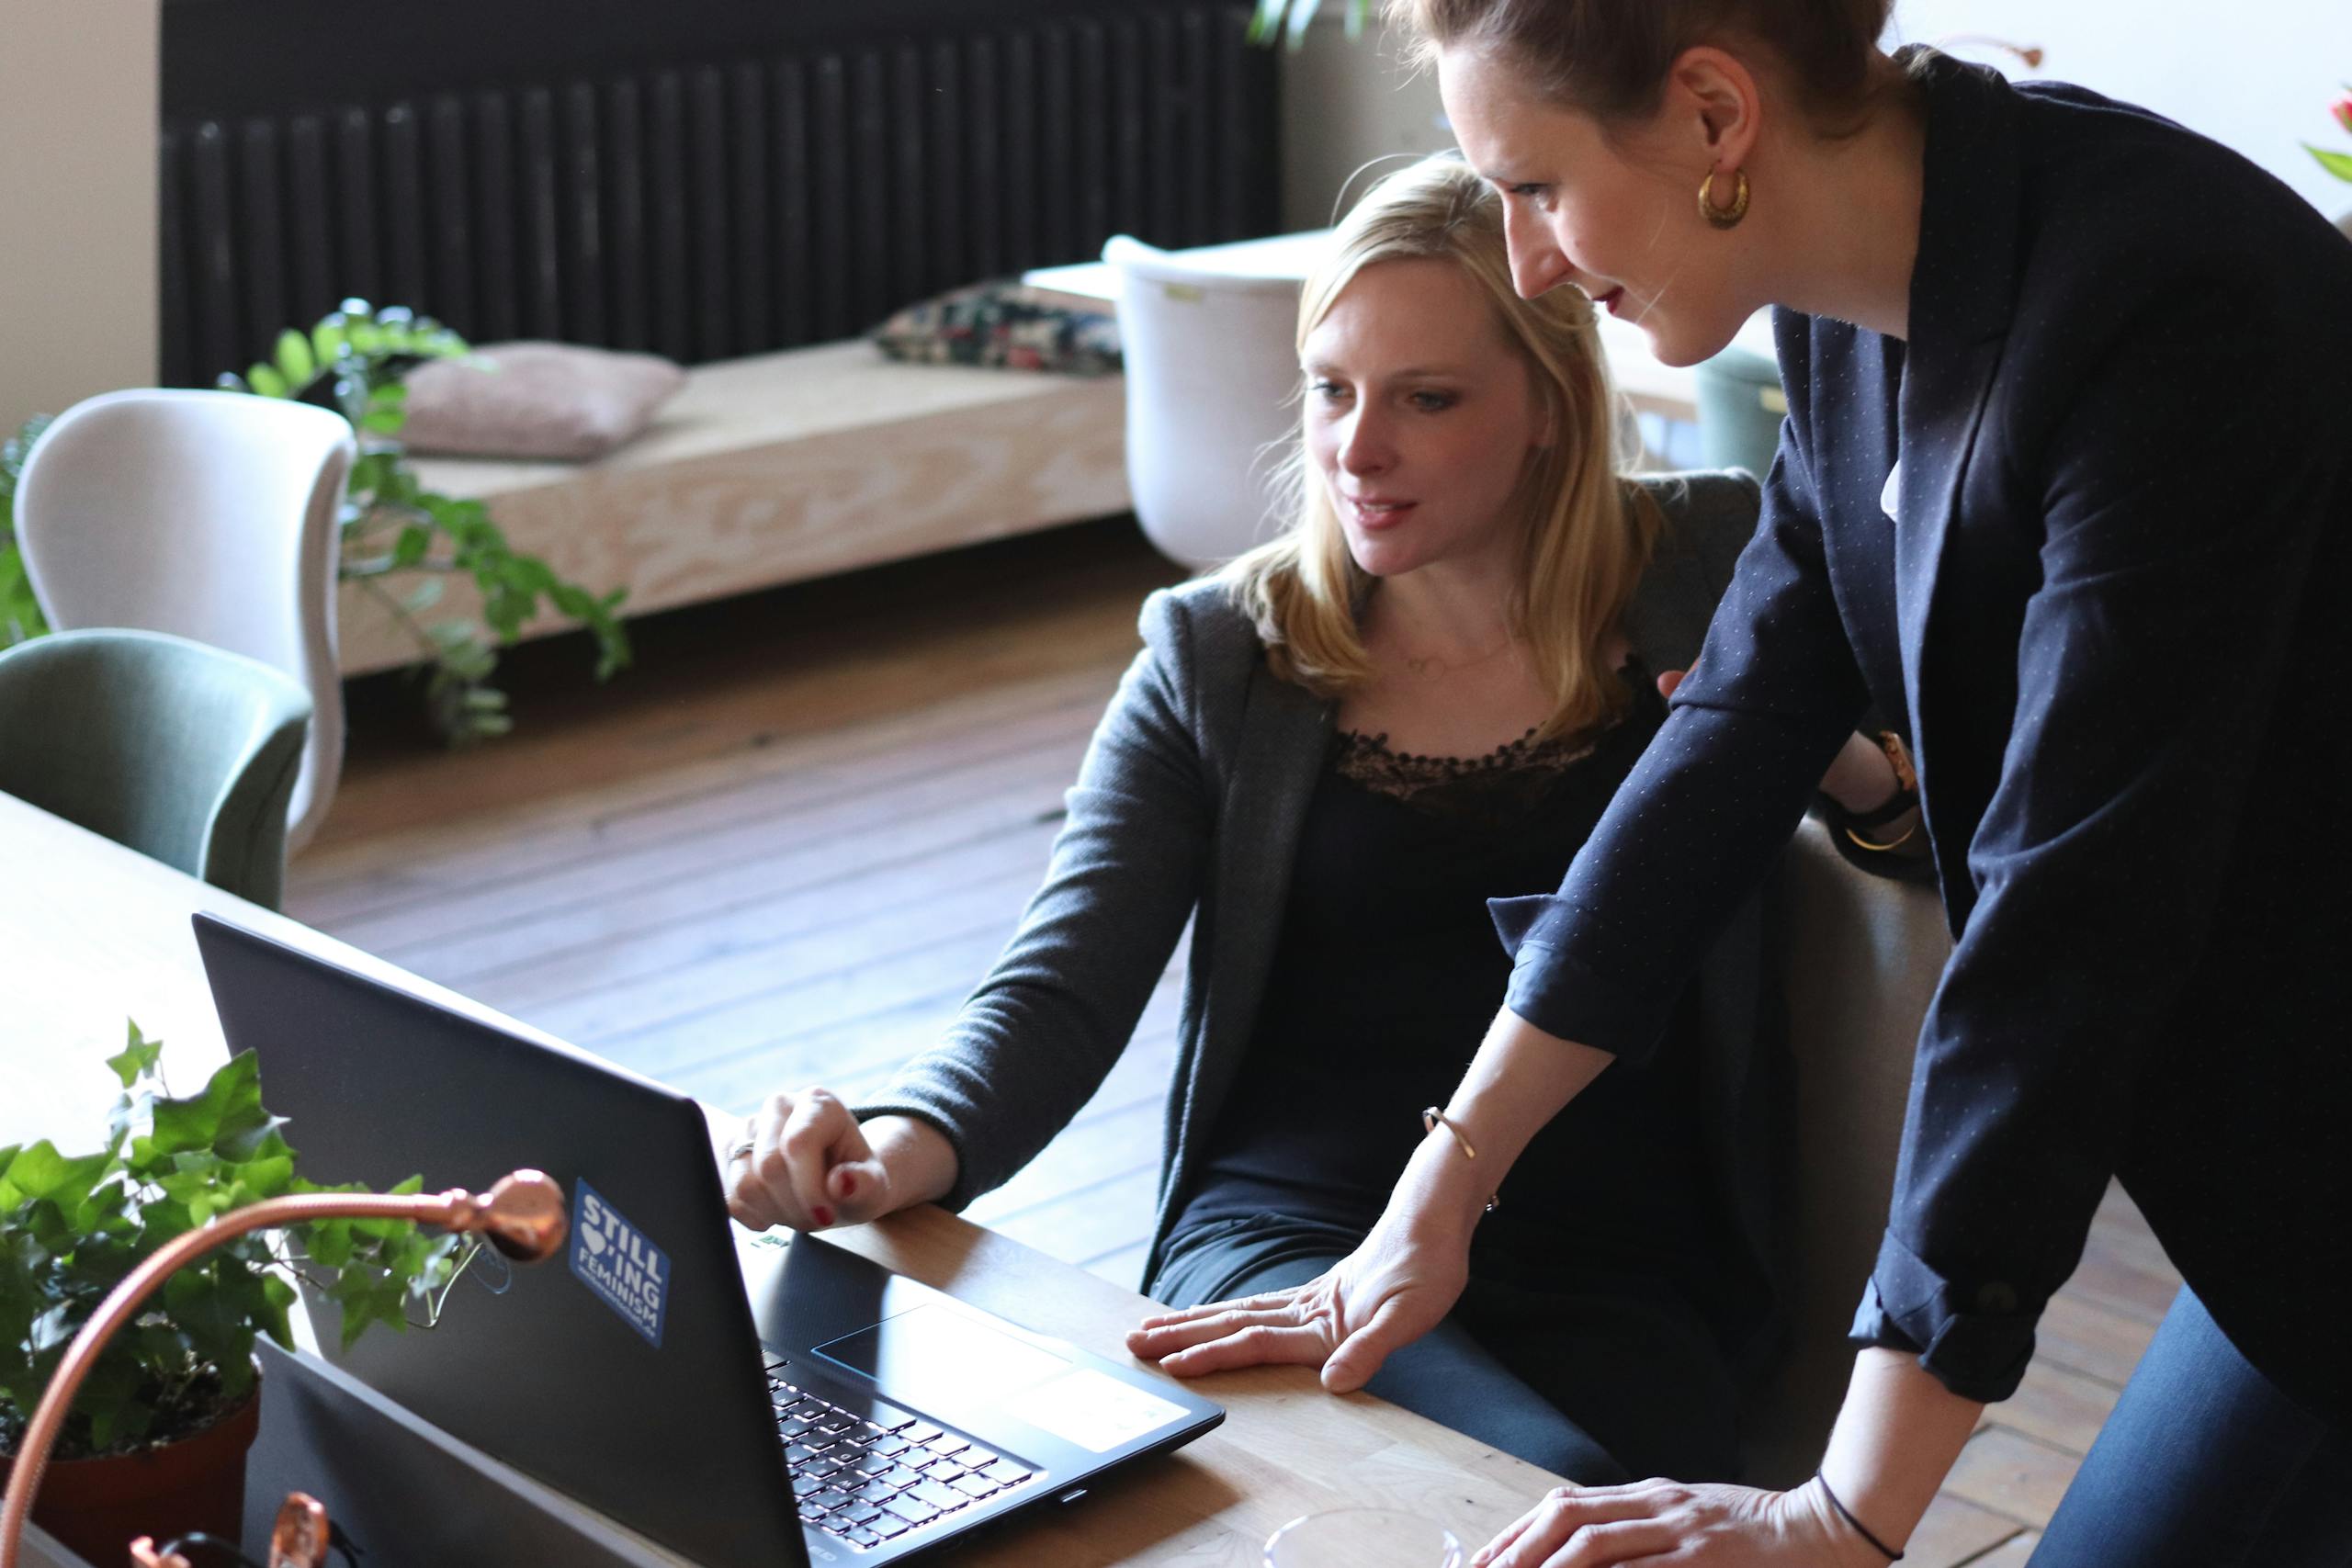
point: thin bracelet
(1894, 843)
(1888, 810)
(1859, 1528)
(1433, 1118)
(1905, 799)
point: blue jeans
(2205, 1464)
(1599, 1375)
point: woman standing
(2066, 489)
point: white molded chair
(209, 515)
(1212, 370)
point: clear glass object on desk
(1364, 1537)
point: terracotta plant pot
(95, 1506)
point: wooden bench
(785, 466)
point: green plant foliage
(1289, 19)
(73, 1226)
(20, 615)
(394, 529)
(2336, 163)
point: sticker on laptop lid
(620, 1263)
(1096, 1412)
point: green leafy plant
(2336, 163)
(353, 361)
(1289, 19)
(20, 615)
(72, 1226)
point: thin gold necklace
(1433, 665)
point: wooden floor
(783, 849)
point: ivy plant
(401, 541)
(20, 615)
(397, 532)
(72, 1226)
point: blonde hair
(1587, 530)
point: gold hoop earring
(1723, 217)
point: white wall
(1343, 103)
(2257, 74)
(77, 201)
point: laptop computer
(748, 1401)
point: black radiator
(702, 178)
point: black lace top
(1505, 787)
(1389, 971)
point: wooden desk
(93, 932)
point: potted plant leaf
(155, 1442)
(2334, 163)
(20, 615)
(352, 361)
(1291, 19)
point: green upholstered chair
(181, 750)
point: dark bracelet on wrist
(1899, 804)
(1855, 825)
(1859, 1528)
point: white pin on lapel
(1893, 492)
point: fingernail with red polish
(821, 1214)
(849, 1185)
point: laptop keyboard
(871, 1478)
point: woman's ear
(1714, 107)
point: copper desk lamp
(523, 1216)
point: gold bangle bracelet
(1433, 1118)
(1894, 843)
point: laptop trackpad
(937, 1348)
(931, 1349)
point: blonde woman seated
(1331, 754)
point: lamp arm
(523, 1215)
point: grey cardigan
(1189, 805)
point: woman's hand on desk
(1381, 1296)
(1664, 1521)
(811, 1165)
(1395, 1287)
(1412, 1267)
(1898, 1434)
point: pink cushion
(537, 400)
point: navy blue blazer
(2105, 595)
